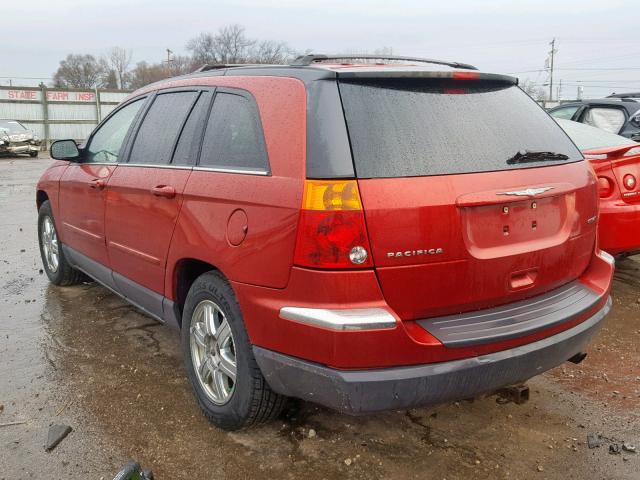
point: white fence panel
(57, 113)
(21, 111)
(36, 128)
(76, 131)
(106, 109)
(113, 96)
(65, 111)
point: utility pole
(552, 53)
(169, 53)
(559, 94)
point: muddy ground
(80, 356)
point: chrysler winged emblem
(528, 192)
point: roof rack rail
(625, 96)
(216, 66)
(306, 60)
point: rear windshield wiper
(529, 156)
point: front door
(82, 192)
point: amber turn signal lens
(331, 195)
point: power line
(28, 78)
(572, 84)
(577, 69)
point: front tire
(56, 266)
(33, 154)
(229, 386)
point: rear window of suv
(401, 128)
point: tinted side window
(566, 112)
(106, 143)
(233, 138)
(189, 143)
(160, 128)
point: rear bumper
(326, 326)
(619, 227)
(366, 391)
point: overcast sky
(598, 42)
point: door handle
(165, 191)
(98, 183)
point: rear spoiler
(610, 152)
(421, 74)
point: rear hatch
(461, 213)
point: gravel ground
(79, 356)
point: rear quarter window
(233, 138)
(402, 128)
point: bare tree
(144, 73)
(535, 92)
(79, 71)
(182, 64)
(271, 52)
(203, 48)
(118, 60)
(383, 51)
(232, 45)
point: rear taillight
(629, 181)
(332, 231)
(605, 187)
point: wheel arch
(41, 197)
(185, 272)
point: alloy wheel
(50, 244)
(213, 351)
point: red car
(616, 161)
(365, 236)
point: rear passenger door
(144, 196)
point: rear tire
(55, 264)
(230, 388)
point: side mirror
(64, 150)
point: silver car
(15, 138)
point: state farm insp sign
(52, 96)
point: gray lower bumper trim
(514, 319)
(364, 391)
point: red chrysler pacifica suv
(367, 236)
